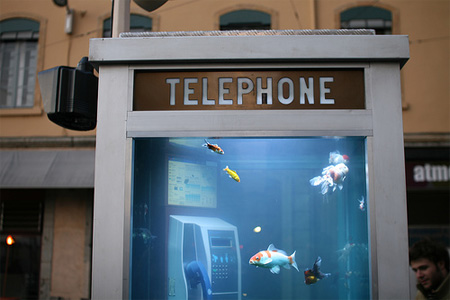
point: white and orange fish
(336, 158)
(273, 259)
(332, 177)
(233, 174)
(213, 147)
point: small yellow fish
(232, 174)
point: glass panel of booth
(280, 217)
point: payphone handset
(204, 261)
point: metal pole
(121, 17)
(6, 271)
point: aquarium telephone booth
(250, 165)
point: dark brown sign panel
(249, 89)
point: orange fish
(213, 147)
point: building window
(137, 24)
(21, 216)
(367, 17)
(18, 61)
(245, 20)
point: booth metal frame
(381, 57)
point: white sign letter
(240, 88)
(172, 82)
(290, 97)
(260, 91)
(419, 174)
(223, 90)
(324, 90)
(205, 100)
(188, 91)
(306, 90)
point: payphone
(203, 259)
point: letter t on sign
(172, 82)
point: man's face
(428, 274)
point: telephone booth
(250, 165)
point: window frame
(391, 10)
(37, 107)
(246, 24)
(141, 17)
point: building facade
(47, 172)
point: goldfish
(232, 174)
(273, 259)
(332, 177)
(336, 158)
(213, 147)
(362, 204)
(313, 275)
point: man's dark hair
(432, 250)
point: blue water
(178, 176)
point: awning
(47, 168)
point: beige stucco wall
(71, 254)
(425, 78)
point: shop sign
(428, 174)
(249, 89)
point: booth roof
(249, 33)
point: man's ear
(441, 266)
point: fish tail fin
(205, 144)
(324, 187)
(292, 261)
(323, 275)
(315, 181)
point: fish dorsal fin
(273, 249)
(316, 266)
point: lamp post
(9, 242)
(121, 13)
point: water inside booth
(219, 201)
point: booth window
(211, 203)
(367, 17)
(18, 61)
(137, 24)
(245, 19)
